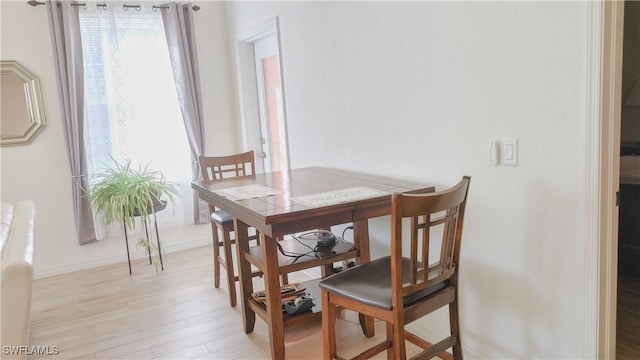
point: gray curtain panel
(67, 50)
(178, 26)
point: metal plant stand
(161, 206)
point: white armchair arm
(17, 275)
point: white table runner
(248, 192)
(338, 196)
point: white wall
(417, 90)
(40, 171)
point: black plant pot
(158, 205)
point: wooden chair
(398, 289)
(216, 168)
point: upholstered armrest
(17, 274)
(6, 218)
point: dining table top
(286, 196)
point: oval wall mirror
(21, 108)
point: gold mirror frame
(34, 121)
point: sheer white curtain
(132, 110)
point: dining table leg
(244, 275)
(326, 269)
(273, 298)
(361, 242)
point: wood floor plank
(231, 341)
(188, 353)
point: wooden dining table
(278, 204)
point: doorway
(262, 101)
(605, 98)
(272, 129)
(628, 294)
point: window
(131, 106)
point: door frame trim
(602, 173)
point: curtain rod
(104, 5)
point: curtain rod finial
(196, 7)
(35, 3)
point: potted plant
(122, 192)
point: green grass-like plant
(122, 191)
(151, 249)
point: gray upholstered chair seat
(370, 283)
(221, 217)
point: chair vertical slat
(413, 268)
(446, 242)
(443, 249)
(454, 235)
(455, 230)
(426, 242)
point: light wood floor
(104, 313)
(628, 331)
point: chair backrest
(434, 219)
(222, 167)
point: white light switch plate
(510, 152)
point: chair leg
(228, 261)
(454, 323)
(216, 256)
(390, 340)
(399, 351)
(328, 328)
